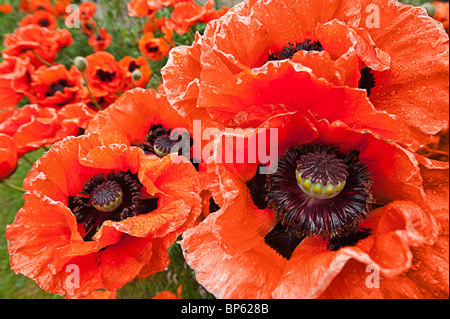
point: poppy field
(263, 149)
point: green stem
(66, 57)
(9, 185)
(167, 41)
(40, 59)
(90, 93)
(27, 160)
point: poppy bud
(80, 63)
(136, 74)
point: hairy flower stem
(40, 59)
(90, 93)
(11, 186)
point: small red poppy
(41, 18)
(41, 5)
(146, 8)
(156, 48)
(104, 74)
(101, 40)
(6, 8)
(154, 24)
(442, 13)
(44, 42)
(87, 10)
(61, 7)
(55, 86)
(130, 64)
(187, 13)
(89, 26)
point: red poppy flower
(262, 52)
(32, 127)
(6, 8)
(142, 118)
(130, 64)
(184, 15)
(139, 8)
(87, 10)
(45, 43)
(187, 13)
(14, 80)
(341, 201)
(167, 294)
(117, 227)
(41, 18)
(88, 26)
(442, 13)
(104, 74)
(156, 48)
(40, 5)
(61, 6)
(146, 8)
(100, 41)
(8, 155)
(24, 6)
(154, 24)
(55, 86)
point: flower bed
(279, 149)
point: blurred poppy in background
(101, 40)
(41, 18)
(130, 64)
(6, 8)
(36, 43)
(104, 74)
(55, 86)
(156, 48)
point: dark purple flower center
(151, 48)
(115, 197)
(44, 23)
(107, 196)
(57, 87)
(288, 51)
(105, 76)
(133, 66)
(158, 141)
(335, 216)
(367, 81)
